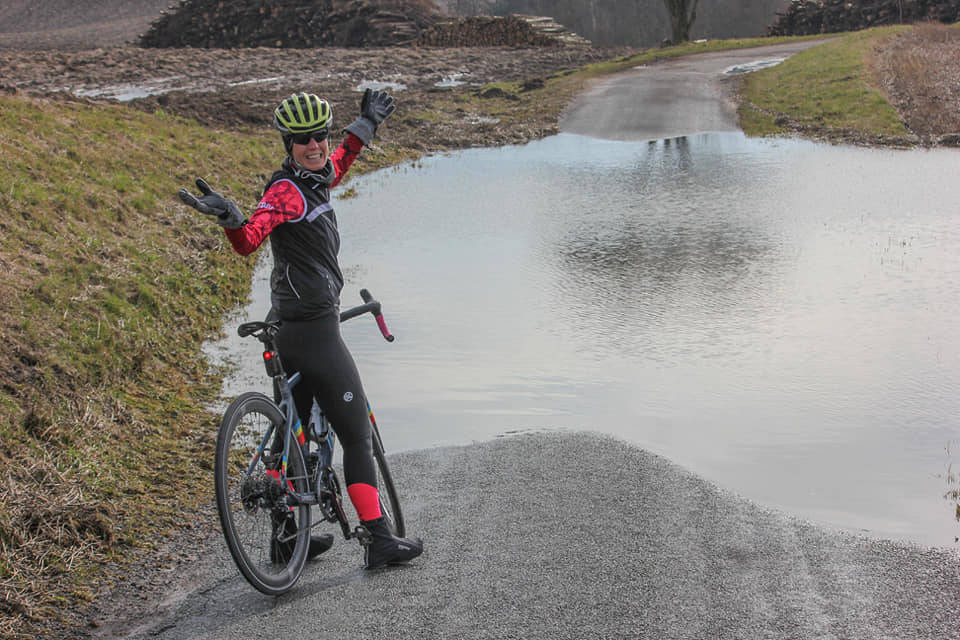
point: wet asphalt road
(678, 97)
(572, 535)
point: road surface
(677, 97)
(575, 535)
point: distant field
(80, 24)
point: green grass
(110, 287)
(824, 88)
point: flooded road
(777, 316)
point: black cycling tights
(316, 350)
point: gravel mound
(557, 535)
(505, 31)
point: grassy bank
(109, 289)
(827, 91)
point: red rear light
(271, 360)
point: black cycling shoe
(319, 544)
(385, 548)
(285, 525)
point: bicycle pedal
(363, 536)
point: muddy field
(81, 48)
(75, 24)
(240, 87)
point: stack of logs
(510, 31)
(809, 17)
(291, 23)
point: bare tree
(682, 15)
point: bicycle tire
(249, 502)
(389, 502)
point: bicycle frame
(285, 406)
(321, 477)
(285, 467)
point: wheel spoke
(389, 503)
(267, 539)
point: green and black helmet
(302, 113)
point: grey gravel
(576, 535)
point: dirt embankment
(835, 16)
(918, 73)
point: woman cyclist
(295, 212)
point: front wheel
(389, 503)
(267, 538)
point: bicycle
(270, 471)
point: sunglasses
(305, 138)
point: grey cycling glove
(213, 204)
(375, 107)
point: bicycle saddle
(254, 328)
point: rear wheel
(389, 503)
(267, 538)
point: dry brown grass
(918, 70)
(54, 532)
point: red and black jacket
(296, 213)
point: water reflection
(661, 235)
(779, 317)
(668, 250)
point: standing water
(779, 317)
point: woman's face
(313, 155)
